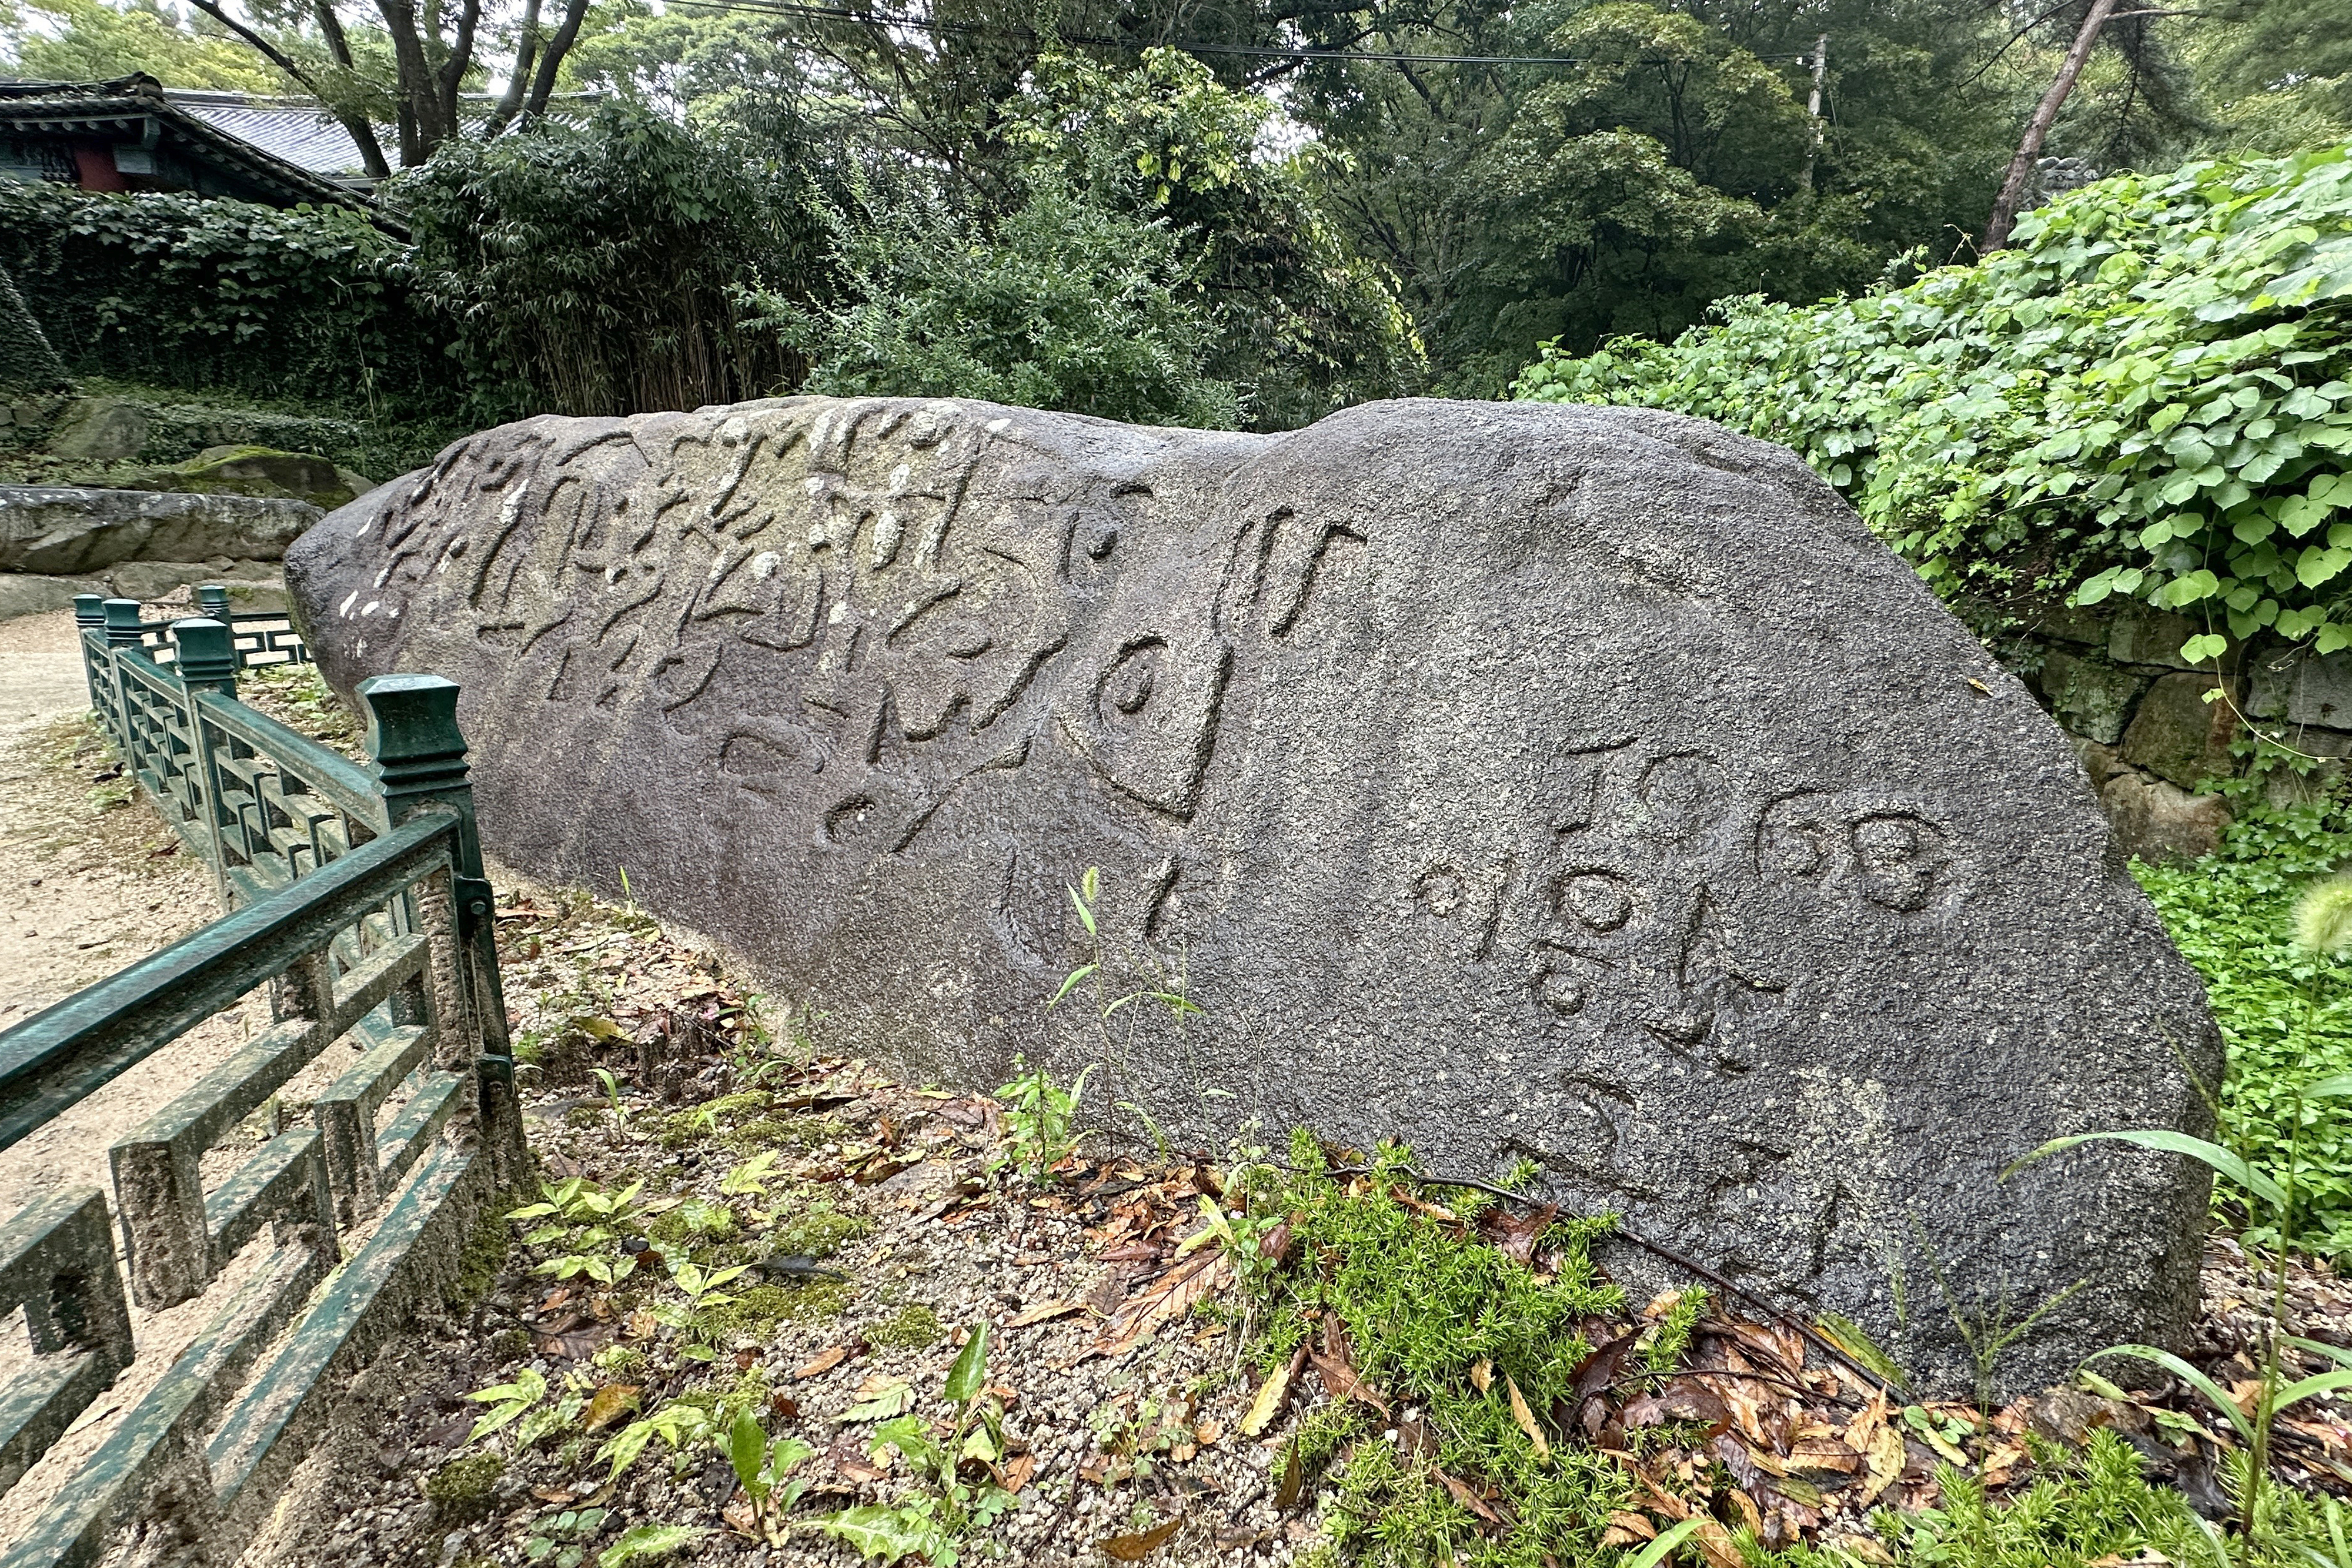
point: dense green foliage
(1354, 201)
(601, 268)
(2151, 395)
(2286, 1014)
(187, 291)
(1065, 306)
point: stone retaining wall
(2140, 719)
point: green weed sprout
(930, 1524)
(2323, 926)
(1039, 1120)
(764, 1467)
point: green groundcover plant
(2150, 396)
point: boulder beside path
(1577, 785)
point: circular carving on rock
(1600, 900)
(1127, 684)
(1898, 858)
(1439, 890)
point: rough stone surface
(259, 471)
(2155, 820)
(2179, 735)
(2091, 697)
(57, 530)
(1581, 784)
(2304, 688)
(2142, 635)
(252, 585)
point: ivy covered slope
(2150, 395)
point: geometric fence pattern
(355, 903)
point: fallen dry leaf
(1625, 1527)
(1042, 1313)
(1482, 1375)
(1272, 1394)
(610, 1404)
(825, 1361)
(1341, 1381)
(1135, 1548)
(1527, 1419)
(850, 1459)
(1169, 1298)
(1469, 1499)
(1514, 1235)
(1016, 1472)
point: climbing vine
(2150, 396)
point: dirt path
(91, 880)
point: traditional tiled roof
(136, 109)
(296, 130)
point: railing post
(123, 623)
(121, 631)
(206, 663)
(212, 603)
(90, 615)
(419, 758)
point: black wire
(844, 14)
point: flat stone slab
(63, 530)
(1580, 785)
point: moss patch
(461, 1489)
(785, 1132)
(1423, 1300)
(754, 1313)
(915, 1327)
(819, 1232)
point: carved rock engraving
(1476, 765)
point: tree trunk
(509, 102)
(1813, 109)
(542, 85)
(362, 134)
(2045, 113)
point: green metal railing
(356, 902)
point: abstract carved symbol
(1599, 901)
(1125, 687)
(1679, 797)
(1897, 859)
(1439, 890)
(1794, 838)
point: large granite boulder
(1576, 784)
(66, 530)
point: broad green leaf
(645, 1543)
(747, 1448)
(2214, 1394)
(2230, 1167)
(969, 1372)
(878, 1532)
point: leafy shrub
(599, 268)
(2150, 395)
(2286, 1014)
(182, 291)
(1065, 305)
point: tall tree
(432, 55)
(2037, 128)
